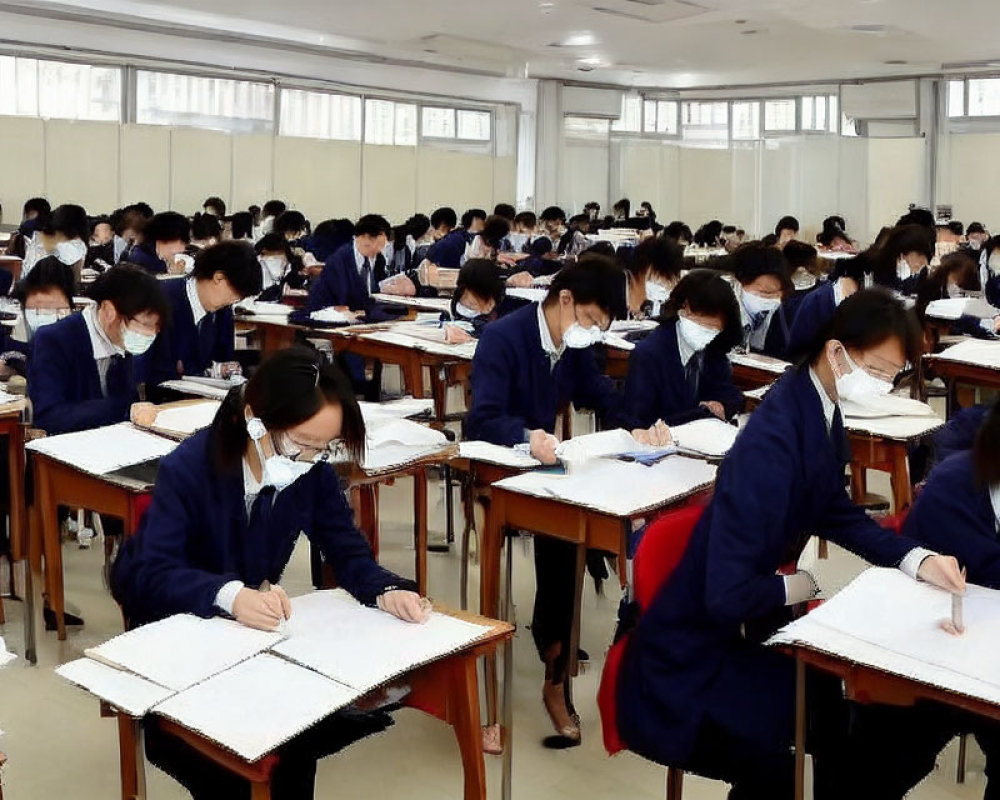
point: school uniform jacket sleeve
(954, 516)
(595, 391)
(644, 386)
(326, 290)
(493, 368)
(717, 384)
(814, 312)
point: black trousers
(293, 779)
(555, 585)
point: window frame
(455, 109)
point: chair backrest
(660, 551)
(657, 556)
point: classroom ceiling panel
(668, 43)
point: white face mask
(975, 244)
(697, 336)
(577, 337)
(72, 251)
(858, 384)
(994, 262)
(465, 312)
(278, 471)
(657, 292)
(136, 343)
(954, 290)
(755, 304)
(274, 265)
(902, 269)
(36, 318)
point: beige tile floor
(60, 747)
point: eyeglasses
(888, 375)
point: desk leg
(507, 718)
(52, 547)
(902, 490)
(420, 528)
(133, 769)
(469, 509)
(260, 791)
(464, 690)
(800, 729)
(413, 376)
(368, 514)
(950, 398)
(574, 634)
(439, 391)
(859, 481)
(489, 579)
(15, 463)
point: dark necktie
(256, 549)
(692, 373)
(366, 275)
(206, 333)
(838, 435)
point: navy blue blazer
(514, 389)
(657, 386)
(449, 249)
(686, 660)
(959, 433)
(340, 284)
(954, 516)
(142, 255)
(195, 347)
(196, 537)
(65, 386)
(815, 310)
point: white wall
(970, 170)
(102, 166)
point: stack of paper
(973, 351)
(497, 454)
(264, 309)
(252, 691)
(187, 419)
(392, 442)
(403, 408)
(955, 307)
(427, 343)
(709, 437)
(759, 361)
(331, 315)
(102, 450)
(884, 619)
(198, 389)
(534, 295)
(437, 304)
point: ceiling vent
(656, 11)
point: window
(387, 122)
(704, 121)
(746, 121)
(586, 128)
(660, 116)
(631, 116)
(956, 98)
(779, 115)
(438, 123)
(165, 98)
(320, 115)
(983, 97)
(474, 125)
(59, 90)
(833, 112)
(815, 112)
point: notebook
(187, 419)
(131, 693)
(261, 308)
(955, 307)
(973, 351)
(180, 651)
(497, 454)
(708, 437)
(392, 442)
(103, 450)
(189, 387)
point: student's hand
(543, 446)
(656, 435)
(428, 273)
(313, 270)
(521, 280)
(143, 414)
(309, 260)
(996, 324)
(262, 610)
(455, 335)
(848, 286)
(399, 285)
(716, 408)
(407, 606)
(943, 572)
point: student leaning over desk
(228, 508)
(528, 366)
(697, 688)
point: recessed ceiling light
(590, 61)
(873, 29)
(741, 22)
(546, 8)
(895, 62)
(581, 39)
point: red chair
(657, 556)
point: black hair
(771, 240)
(918, 216)
(975, 227)
(481, 277)
(551, 214)
(217, 203)
(505, 210)
(132, 291)
(663, 257)
(103, 219)
(865, 320)
(37, 205)
(648, 206)
(167, 226)
(291, 222)
(751, 260)
(141, 208)
(786, 224)
(986, 449)
(373, 225)
(705, 291)
(708, 234)
(70, 221)
(418, 225)
(205, 226)
(494, 230)
(540, 246)
(242, 225)
(236, 260)
(592, 279)
(624, 206)
(958, 266)
(593, 204)
(956, 227)
(901, 240)
(129, 218)
(526, 219)
(330, 235)
(471, 214)
(48, 273)
(444, 216)
(273, 243)
(578, 222)
(605, 249)
(287, 389)
(799, 254)
(273, 208)
(677, 230)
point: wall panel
(322, 179)
(390, 182)
(82, 163)
(22, 142)
(201, 164)
(252, 171)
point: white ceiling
(668, 43)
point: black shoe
(557, 742)
(72, 620)
(582, 656)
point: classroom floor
(59, 746)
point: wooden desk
(60, 484)
(748, 374)
(866, 685)
(954, 373)
(447, 689)
(12, 428)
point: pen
(265, 586)
(956, 612)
